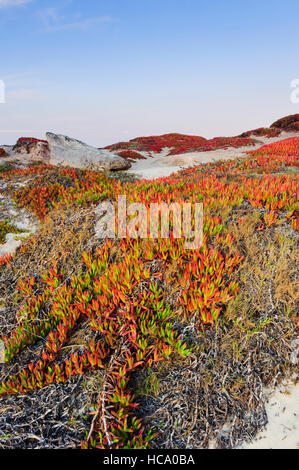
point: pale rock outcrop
(71, 152)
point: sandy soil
(282, 430)
(162, 164)
(282, 408)
(21, 218)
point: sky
(107, 71)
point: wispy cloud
(13, 3)
(53, 21)
(21, 94)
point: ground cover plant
(262, 132)
(3, 154)
(142, 343)
(180, 143)
(131, 155)
(31, 140)
(288, 123)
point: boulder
(71, 152)
(34, 149)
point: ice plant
(3, 154)
(120, 294)
(180, 143)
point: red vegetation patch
(226, 142)
(180, 143)
(131, 155)
(5, 259)
(30, 140)
(288, 123)
(66, 185)
(2, 153)
(271, 158)
(284, 148)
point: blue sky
(109, 70)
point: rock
(35, 149)
(71, 152)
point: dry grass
(215, 398)
(61, 239)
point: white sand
(21, 218)
(162, 164)
(282, 430)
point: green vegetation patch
(5, 228)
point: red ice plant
(133, 325)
